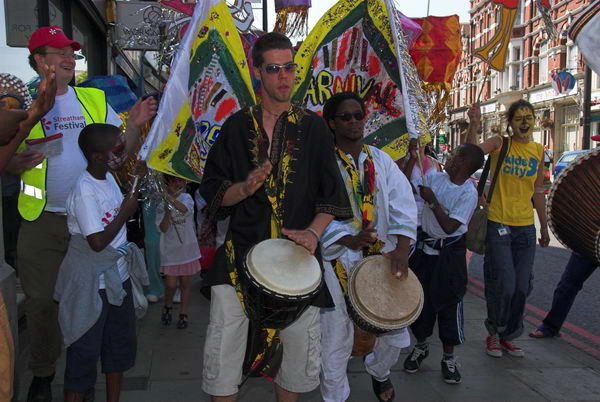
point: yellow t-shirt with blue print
(511, 202)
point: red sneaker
(492, 346)
(512, 349)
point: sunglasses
(358, 116)
(276, 68)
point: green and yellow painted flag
(209, 81)
(352, 49)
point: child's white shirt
(459, 202)
(91, 206)
(178, 246)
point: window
(520, 11)
(516, 53)
(595, 80)
(572, 58)
(543, 66)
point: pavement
(169, 367)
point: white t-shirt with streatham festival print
(91, 206)
(66, 117)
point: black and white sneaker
(413, 361)
(450, 371)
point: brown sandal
(539, 334)
(380, 387)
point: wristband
(432, 205)
(242, 192)
(311, 230)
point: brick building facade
(531, 60)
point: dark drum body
(280, 279)
(572, 207)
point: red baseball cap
(51, 36)
(596, 137)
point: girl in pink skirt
(179, 251)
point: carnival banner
(351, 49)
(209, 81)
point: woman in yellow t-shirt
(510, 241)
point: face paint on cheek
(522, 123)
(117, 155)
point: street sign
(20, 18)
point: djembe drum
(280, 279)
(573, 215)
(378, 302)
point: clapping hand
(256, 178)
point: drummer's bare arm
(487, 146)
(244, 189)
(309, 237)
(539, 203)
(449, 225)
(399, 257)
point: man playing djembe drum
(385, 219)
(271, 169)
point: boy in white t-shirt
(97, 212)
(439, 260)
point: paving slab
(562, 384)
(185, 364)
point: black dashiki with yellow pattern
(305, 180)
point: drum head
(283, 267)
(382, 299)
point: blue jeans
(578, 269)
(508, 276)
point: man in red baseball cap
(50, 45)
(43, 236)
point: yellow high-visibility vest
(32, 198)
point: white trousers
(337, 337)
(225, 347)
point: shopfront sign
(20, 19)
(549, 93)
(489, 108)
